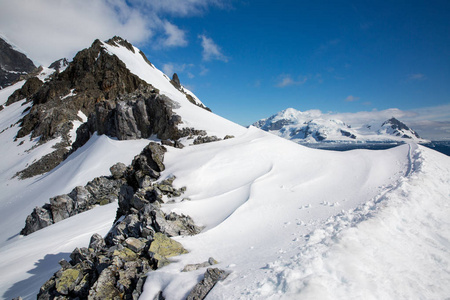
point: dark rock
(13, 64)
(27, 90)
(228, 137)
(201, 289)
(105, 286)
(176, 81)
(39, 218)
(348, 134)
(44, 164)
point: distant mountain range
(307, 127)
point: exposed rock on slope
(13, 64)
(397, 128)
(115, 267)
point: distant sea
(440, 146)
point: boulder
(201, 289)
(68, 281)
(40, 217)
(62, 207)
(118, 170)
(163, 247)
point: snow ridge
(360, 252)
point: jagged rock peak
(176, 81)
(59, 65)
(13, 64)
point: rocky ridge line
(115, 267)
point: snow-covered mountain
(281, 221)
(312, 126)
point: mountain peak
(13, 64)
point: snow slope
(287, 221)
(285, 208)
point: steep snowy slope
(286, 221)
(313, 126)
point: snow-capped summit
(397, 128)
(313, 126)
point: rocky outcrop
(94, 75)
(211, 277)
(59, 65)
(13, 64)
(30, 87)
(140, 114)
(100, 191)
(116, 267)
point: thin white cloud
(211, 51)
(416, 77)
(287, 80)
(51, 29)
(351, 98)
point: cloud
(211, 51)
(351, 98)
(416, 77)
(47, 30)
(286, 80)
(174, 36)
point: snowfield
(287, 221)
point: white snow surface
(287, 222)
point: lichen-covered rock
(105, 286)
(201, 289)
(68, 281)
(163, 247)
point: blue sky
(248, 60)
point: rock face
(212, 276)
(115, 267)
(13, 64)
(30, 87)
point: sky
(248, 60)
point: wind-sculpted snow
(290, 191)
(395, 246)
